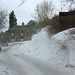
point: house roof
(22, 27)
(17, 28)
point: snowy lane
(30, 66)
(12, 64)
(45, 68)
(22, 64)
(17, 65)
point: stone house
(20, 33)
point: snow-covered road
(22, 64)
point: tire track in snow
(19, 68)
(13, 64)
(44, 67)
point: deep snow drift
(58, 49)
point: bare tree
(22, 1)
(70, 3)
(3, 15)
(44, 10)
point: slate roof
(17, 28)
(22, 27)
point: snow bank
(38, 46)
(65, 42)
(58, 50)
(3, 68)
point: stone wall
(67, 17)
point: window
(22, 38)
(21, 32)
(12, 38)
(12, 33)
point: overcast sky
(25, 11)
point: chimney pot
(22, 23)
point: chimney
(22, 23)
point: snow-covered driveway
(22, 64)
